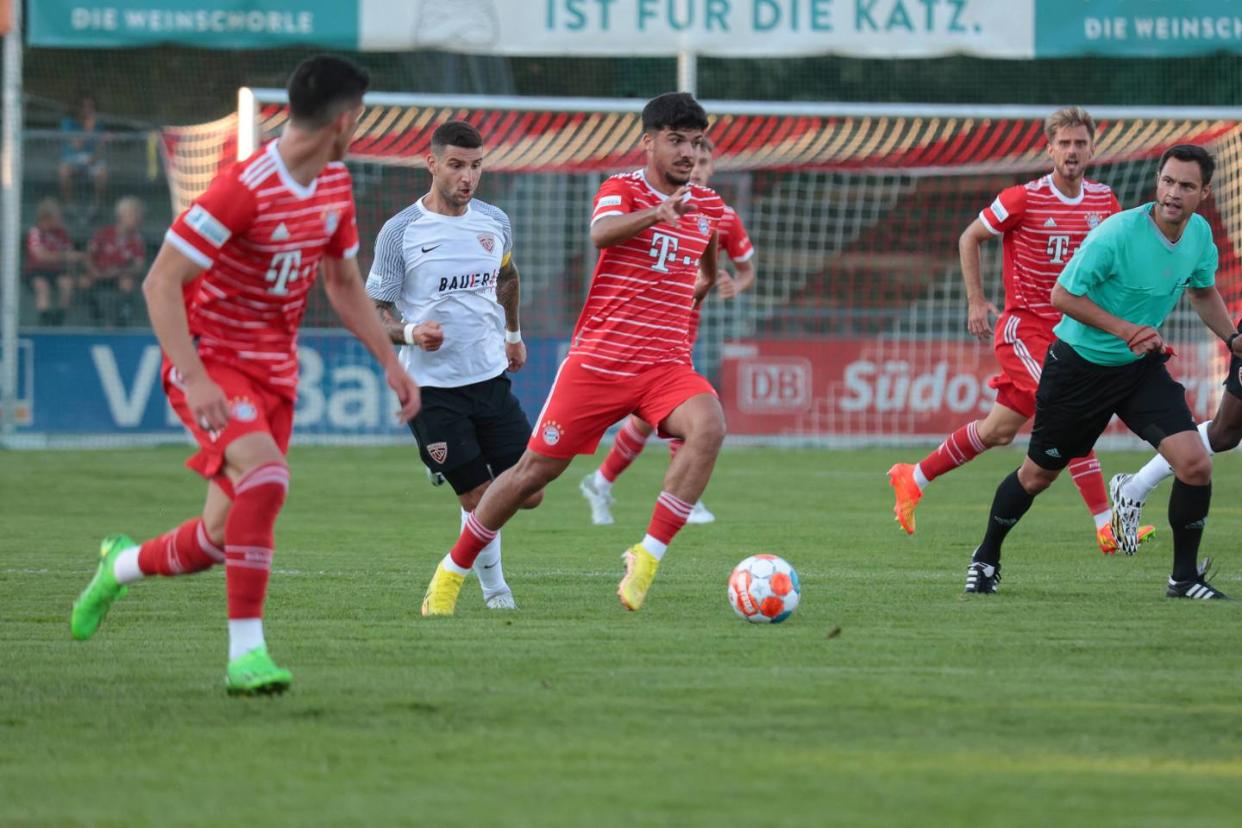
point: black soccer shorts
(1077, 398)
(472, 433)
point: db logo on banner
(774, 385)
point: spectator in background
(117, 259)
(80, 153)
(50, 262)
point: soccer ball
(764, 589)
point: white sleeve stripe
(351, 251)
(745, 257)
(190, 251)
(605, 214)
(983, 219)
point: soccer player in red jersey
(630, 351)
(225, 294)
(1042, 223)
(731, 238)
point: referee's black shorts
(1077, 398)
(472, 433)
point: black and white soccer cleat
(982, 578)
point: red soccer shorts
(252, 408)
(583, 403)
(1021, 341)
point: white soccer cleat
(601, 502)
(700, 514)
(1127, 515)
(501, 601)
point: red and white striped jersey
(637, 312)
(1042, 229)
(260, 235)
(732, 238)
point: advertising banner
(722, 28)
(109, 384)
(885, 390)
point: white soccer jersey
(444, 268)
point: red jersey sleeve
(344, 242)
(1006, 211)
(612, 199)
(733, 239)
(1113, 204)
(225, 210)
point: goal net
(854, 332)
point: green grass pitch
(1077, 696)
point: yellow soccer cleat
(640, 571)
(1108, 541)
(441, 595)
(908, 493)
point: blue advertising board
(79, 384)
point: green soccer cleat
(255, 674)
(103, 590)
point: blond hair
(47, 208)
(1070, 116)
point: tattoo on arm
(508, 295)
(393, 323)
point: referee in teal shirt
(1109, 358)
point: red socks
(668, 517)
(959, 447)
(1090, 482)
(474, 536)
(629, 444)
(180, 551)
(248, 537)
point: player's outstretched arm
(1211, 308)
(344, 286)
(163, 290)
(979, 311)
(613, 230)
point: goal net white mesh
(854, 332)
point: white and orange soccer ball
(764, 589)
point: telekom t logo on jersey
(285, 267)
(1058, 246)
(663, 247)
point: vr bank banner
(723, 28)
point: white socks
(126, 569)
(1147, 478)
(655, 547)
(1103, 519)
(244, 635)
(920, 479)
(487, 565)
(602, 484)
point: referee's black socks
(1188, 510)
(1008, 507)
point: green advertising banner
(1137, 28)
(725, 28)
(211, 24)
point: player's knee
(1223, 439)
(1196, 471)
(1035, 479)
(994, 436)
(708, 434)
(533, 501)
(213, 525)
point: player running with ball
(630, 352)
(733, 241)
(226, 293)
(1042, 223)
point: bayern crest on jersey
(704, 225)
(1093, 220)
(551, 432)
(489, 243)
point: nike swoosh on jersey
(429, 249)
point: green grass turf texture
(1077, 696)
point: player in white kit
(447, 290)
